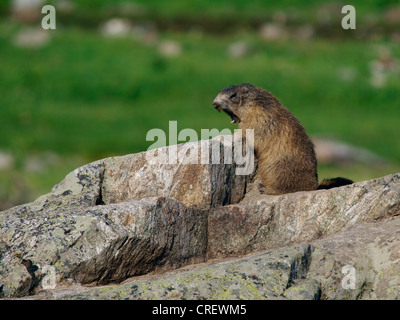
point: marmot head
(232, 100)
(238, 100)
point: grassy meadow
(85, 96)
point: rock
(169, 48)
(262, 222)
(265, 275)
(110, 220)
(121, 217)
(26, 10)
(239, 49)
(116, 27)
(138, 237)
(6, 160)
(330, 151)
(186, 179)
(272, 32)
(372, 249)
(392, 15)
(99, 244)
(315, 270)
(31, 38)
(383, 68)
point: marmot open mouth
(234, 117)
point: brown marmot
(286, 156)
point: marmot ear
(245, 88)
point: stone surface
(111, 219)
(182, 175)
(320, 269)
(262, 221)
(372, 249)
(118, 218)
(100, 244)
(265, 275)
(330, 151)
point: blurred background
(113, 70)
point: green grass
(91, 96)
(95, 96)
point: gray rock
(331, 151)
(371, 250)
(261, 276)
(273, 32)
(262, 221)
(31, 38)
(6, 160)
(26, 10)
(116, 27)
(170, 48)
(99, 244)
(192, 181)
(122, 217)
(315, 270)
(110, 220)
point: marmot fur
(286, 156)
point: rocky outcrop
(361, 262)
(261, 222)
(193, 173)
(121, 217)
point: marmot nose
(217, 105)
(218, 102)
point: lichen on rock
(198, 231)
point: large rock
(361, 262)
(125, 216)
(116, 218)
(262, 221)
(193, 173)
(100, 244)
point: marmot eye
(233, 95)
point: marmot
(286, 156)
